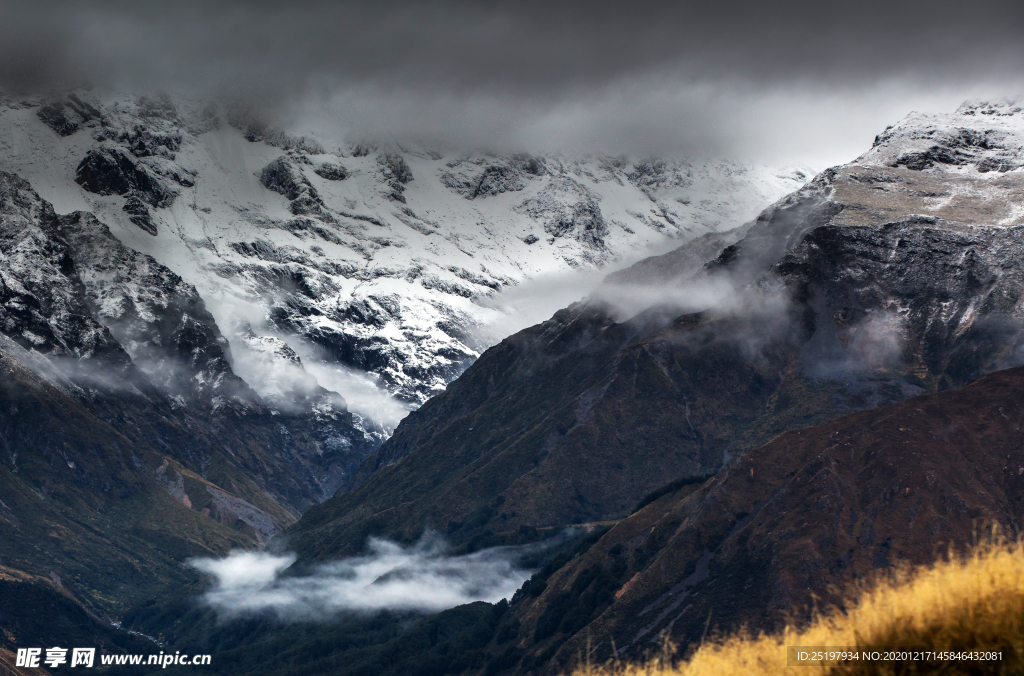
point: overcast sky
(800, 81)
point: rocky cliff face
(125, 328)
(160, 320)
(43, 298)
(381, 268)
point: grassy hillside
(36, 612)
(574, 421)
(966, 603)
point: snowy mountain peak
(979, 137)
(377, 271)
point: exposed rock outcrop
(110, 171)
(283, 177)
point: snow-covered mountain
(980, 137)
(372, 270)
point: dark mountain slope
(82, 503)
(36, 612)
(576, 419)
(791, 525)
(788, 526)
(558, 436)
(881, 279)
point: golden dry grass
(967, 602)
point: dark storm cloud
(589, 72)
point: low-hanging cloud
(694, 295)
(534, 301)
(285, 383)
(421, 577)
(362, 391)
(284, 369)
(538, 298)
(871, 343)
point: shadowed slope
(791, 524)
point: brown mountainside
(791, 526)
